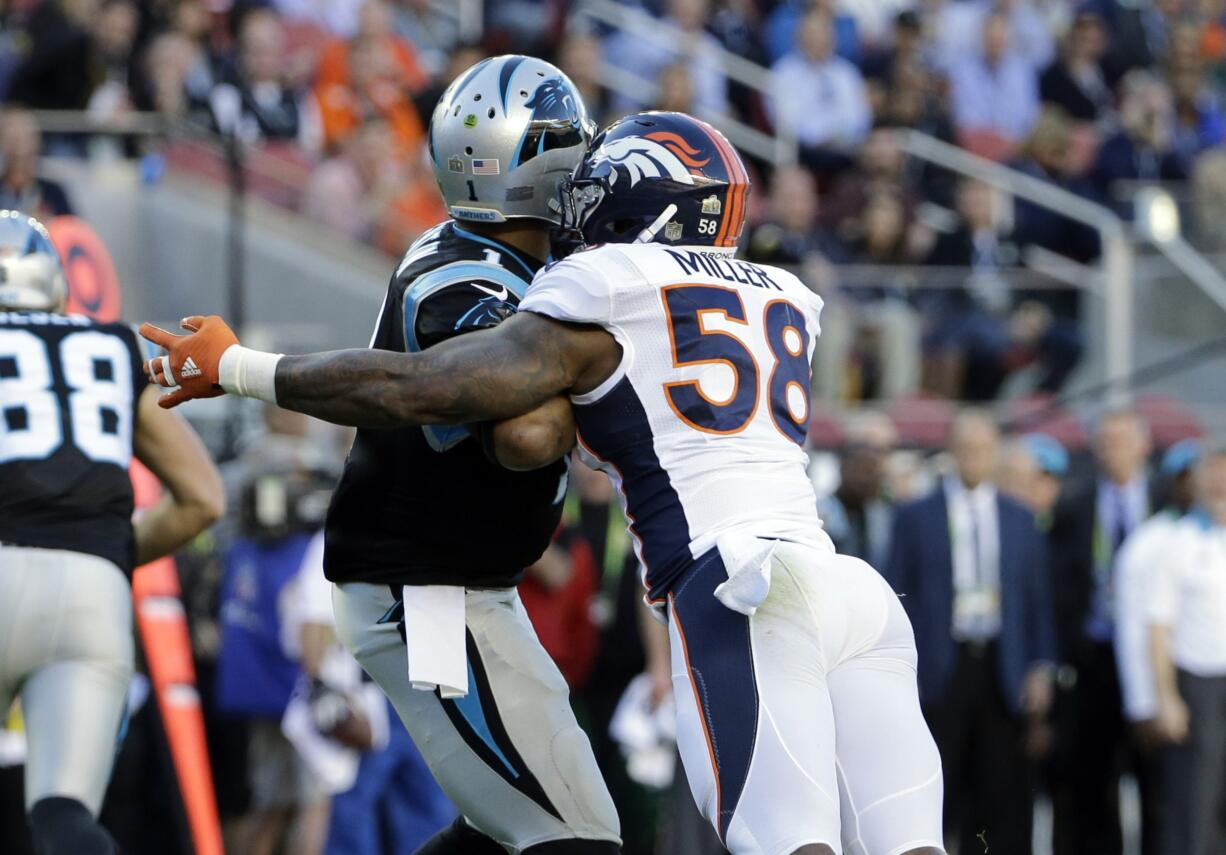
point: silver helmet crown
(31, 275)
(503, 136)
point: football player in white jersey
(798, 715)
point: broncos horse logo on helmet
(651, 164)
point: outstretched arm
(487, 375)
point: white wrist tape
(247, 372)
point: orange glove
(191, 363)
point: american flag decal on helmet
(486, 166)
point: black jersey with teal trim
(69, 389)
(425, 505)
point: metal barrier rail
(778, 148)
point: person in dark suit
(1143, 149)
(1075, 82)
(1091, 522)
(980, 331)
(858, 515)
(971, 567)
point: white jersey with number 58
(703, 423)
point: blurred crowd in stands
(1093, 96)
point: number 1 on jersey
(693, 343)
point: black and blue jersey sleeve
(452, 300)
(460, 308)
(458, 298)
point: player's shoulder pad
(462, 294)
(581, 288)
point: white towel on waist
(747, 560)
(435, 639)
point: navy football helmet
(663, 177)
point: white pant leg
(66, 627)
(889, 770)
(510, 755)
(755, 726)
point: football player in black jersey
(428, 535)
(74, 408)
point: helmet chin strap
(648, 234)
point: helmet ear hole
(490, 112)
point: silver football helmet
(31, 275)
(503, 136)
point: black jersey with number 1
(425, 505)
(68, 395)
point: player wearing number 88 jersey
(73, 409)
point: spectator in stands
(993, 92)
(253, 102)
(579, 59)
(351, 192)
(1187, 616)
(789, 236)
(984, 330)
(1143, 148)
(966, 330)
(971, 567)
(1091, 524)
(695, 47)
(1200, 122)
(736, 23)
(858, 516)
(371, 85)
(881, 64)
(819, 96)
(880, 238)
(959, 27)
(55, 73)
(1140, 34)
(913, 101)
(170, 62)
(870, 342)
(1050, 154)
(879, 169)
(374, 73)
(781, 27)
(1075, 81)
(432, 33)
(676, 89)
(114, 35)
(337, 17)
(21, 186)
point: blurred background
(1011, 205)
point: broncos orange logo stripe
(734, 216)
(677, 144)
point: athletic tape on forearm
(247, 372)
